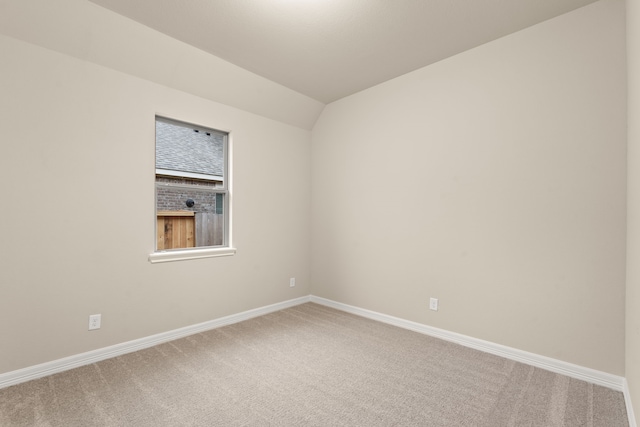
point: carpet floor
(309, 365)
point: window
(192, 192)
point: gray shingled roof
(180, 148)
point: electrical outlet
(292, 282)
(94, 321)
(433, 304)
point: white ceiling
(328, 49)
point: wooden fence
(209, 229)
(186, 229)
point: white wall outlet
(433, 304)
(94, 321)
(292, 282)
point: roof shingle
(189, 149)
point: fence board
(175, 231)
(209, 229)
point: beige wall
(494, 181)
(86, 31)
(77, 173)
(633, 234)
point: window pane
(188, 151)
(190, 186)
(219, 203)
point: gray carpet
(309, 366)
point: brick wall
(174, 199)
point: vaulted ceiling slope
(329, 49)
(99, 36)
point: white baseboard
(629, 405)
(574, 371)
(75, 361)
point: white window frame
(227, 249)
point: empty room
(320, 213)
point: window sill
(179, 255)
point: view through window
(191, 186)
